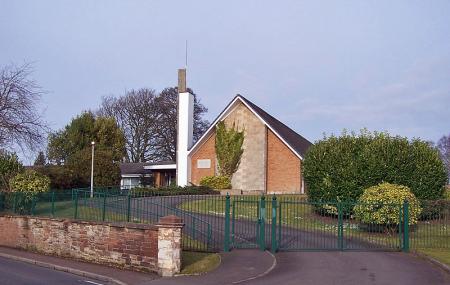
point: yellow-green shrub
(216, 182)
(381, 205)
(25, 186)
(30, 181)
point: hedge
(172, 191)
(340, 168)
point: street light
(92, 170)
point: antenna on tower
(186, 55)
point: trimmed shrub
(380, 205)
(340, 168)
(216, 182)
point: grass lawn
(63, 209)
(66, 209)
(198, 262)
(442, 255)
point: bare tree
(149, 122)
(444, 148)
(21, 124)
(134, 113)
(166, 128)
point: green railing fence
(276, 222)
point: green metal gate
(305, 225)
(297, 224)
(248, 223)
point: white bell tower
(184, 129)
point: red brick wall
(283, 167)
(128, 246)
(205, 151)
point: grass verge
(199, 262)
(440, 254)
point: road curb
(436, 262)
(274, 264)
(64, 269)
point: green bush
(381, 205)
(228, 148)
(10, 166)
(25, 187)
(340, 168)
(216, 182)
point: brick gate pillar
(169, 245)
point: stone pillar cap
(171, 220)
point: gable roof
(298, 144)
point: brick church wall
(283, 167)
(206, 151)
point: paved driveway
(352, 268)
(311, 268)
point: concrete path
(238, 266)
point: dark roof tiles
(296, 141)
(138, 167)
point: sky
(318, 66)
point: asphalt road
(20, 273)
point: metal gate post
(279, 225)
(104, 207)
(129, 208)
(273, 237)
(53, 204)
(400, 226)
(226, 241)
(405, 226)
(76, 206)
(233, 222)
(340, 227)
(262, 224)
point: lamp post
(92, 170)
